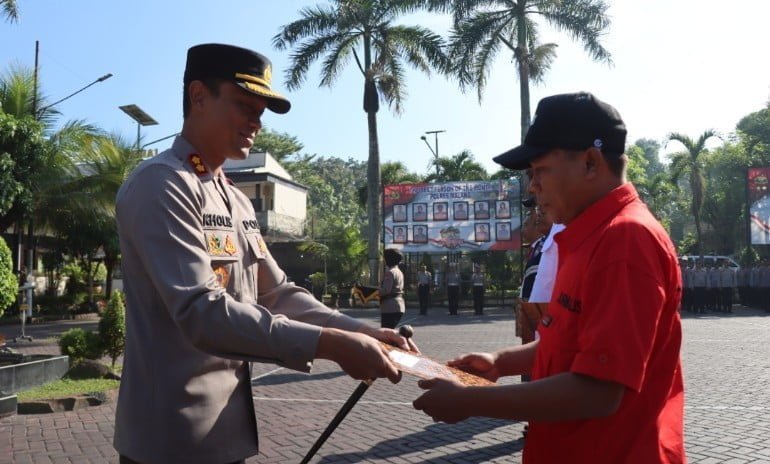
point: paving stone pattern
(727, 375)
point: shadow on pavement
(436, 436)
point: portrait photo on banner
(399, 213)
(481, 232)
(399, 234)
(420, 234)
(460, 210)
(502, 209)
(419, 212)
(481, 210)
(440, 211)
(503, 231)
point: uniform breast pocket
(223, 269)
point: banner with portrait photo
(759, 205)
(457, 216)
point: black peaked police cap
(570, 121)
(250, 70)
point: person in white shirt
(728, 280)
(546, 271)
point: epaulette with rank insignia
(197, 164)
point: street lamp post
(141, 118)
(36, 112)
(435, 142)
(101, 79)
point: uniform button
(603, 358)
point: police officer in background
(686, 285)
(424, 281)
(453, 289)
(713, 296)
(477, 281)
(392, 305)
(699, 277)
(728, 280)
(204, 295)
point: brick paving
(727, 376)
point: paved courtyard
(727, 375)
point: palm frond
(314, 21)
(305, 54)
(541, 59)
(10, 10)
(472, 36)
(582, 20)
(337, 58)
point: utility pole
(36, 112)
(435, 142)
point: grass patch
(67, 387)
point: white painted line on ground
(308, 400)
(266, 374)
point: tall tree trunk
(522, 57)
(697, 186)
(524, 92)
(373, 203)
(109, 264)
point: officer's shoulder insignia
(261, 244)
(197, 164)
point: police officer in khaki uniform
(392, 305)
(424, 282)
(453, 289)
(204, 295)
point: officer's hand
(444, 400)
(392, 337)
(481, 364)
(359, 355)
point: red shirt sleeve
(619, 323)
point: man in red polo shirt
(607, 380)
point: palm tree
(10, 10)
(81, 205)
(19, 98)
(690, 163)
(364, 30)
(460, 167)
(481, 27)
(393, 172)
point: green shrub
(9, 286)
(112, 327)
(79, 344)
(75, 298)
(52, 305)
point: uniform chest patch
(220, 244)
(222, 274)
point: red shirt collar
(595, 216)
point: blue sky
(679, 65)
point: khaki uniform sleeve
(159, 218)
